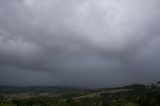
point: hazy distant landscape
(132, 95)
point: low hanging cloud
(88, 43)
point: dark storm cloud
(91, 43)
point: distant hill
(18, 89)
(134, 86)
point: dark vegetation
(133, 95)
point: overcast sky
(85, 43)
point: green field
(134, 95)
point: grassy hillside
(133, 95)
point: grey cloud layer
(91, 43)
